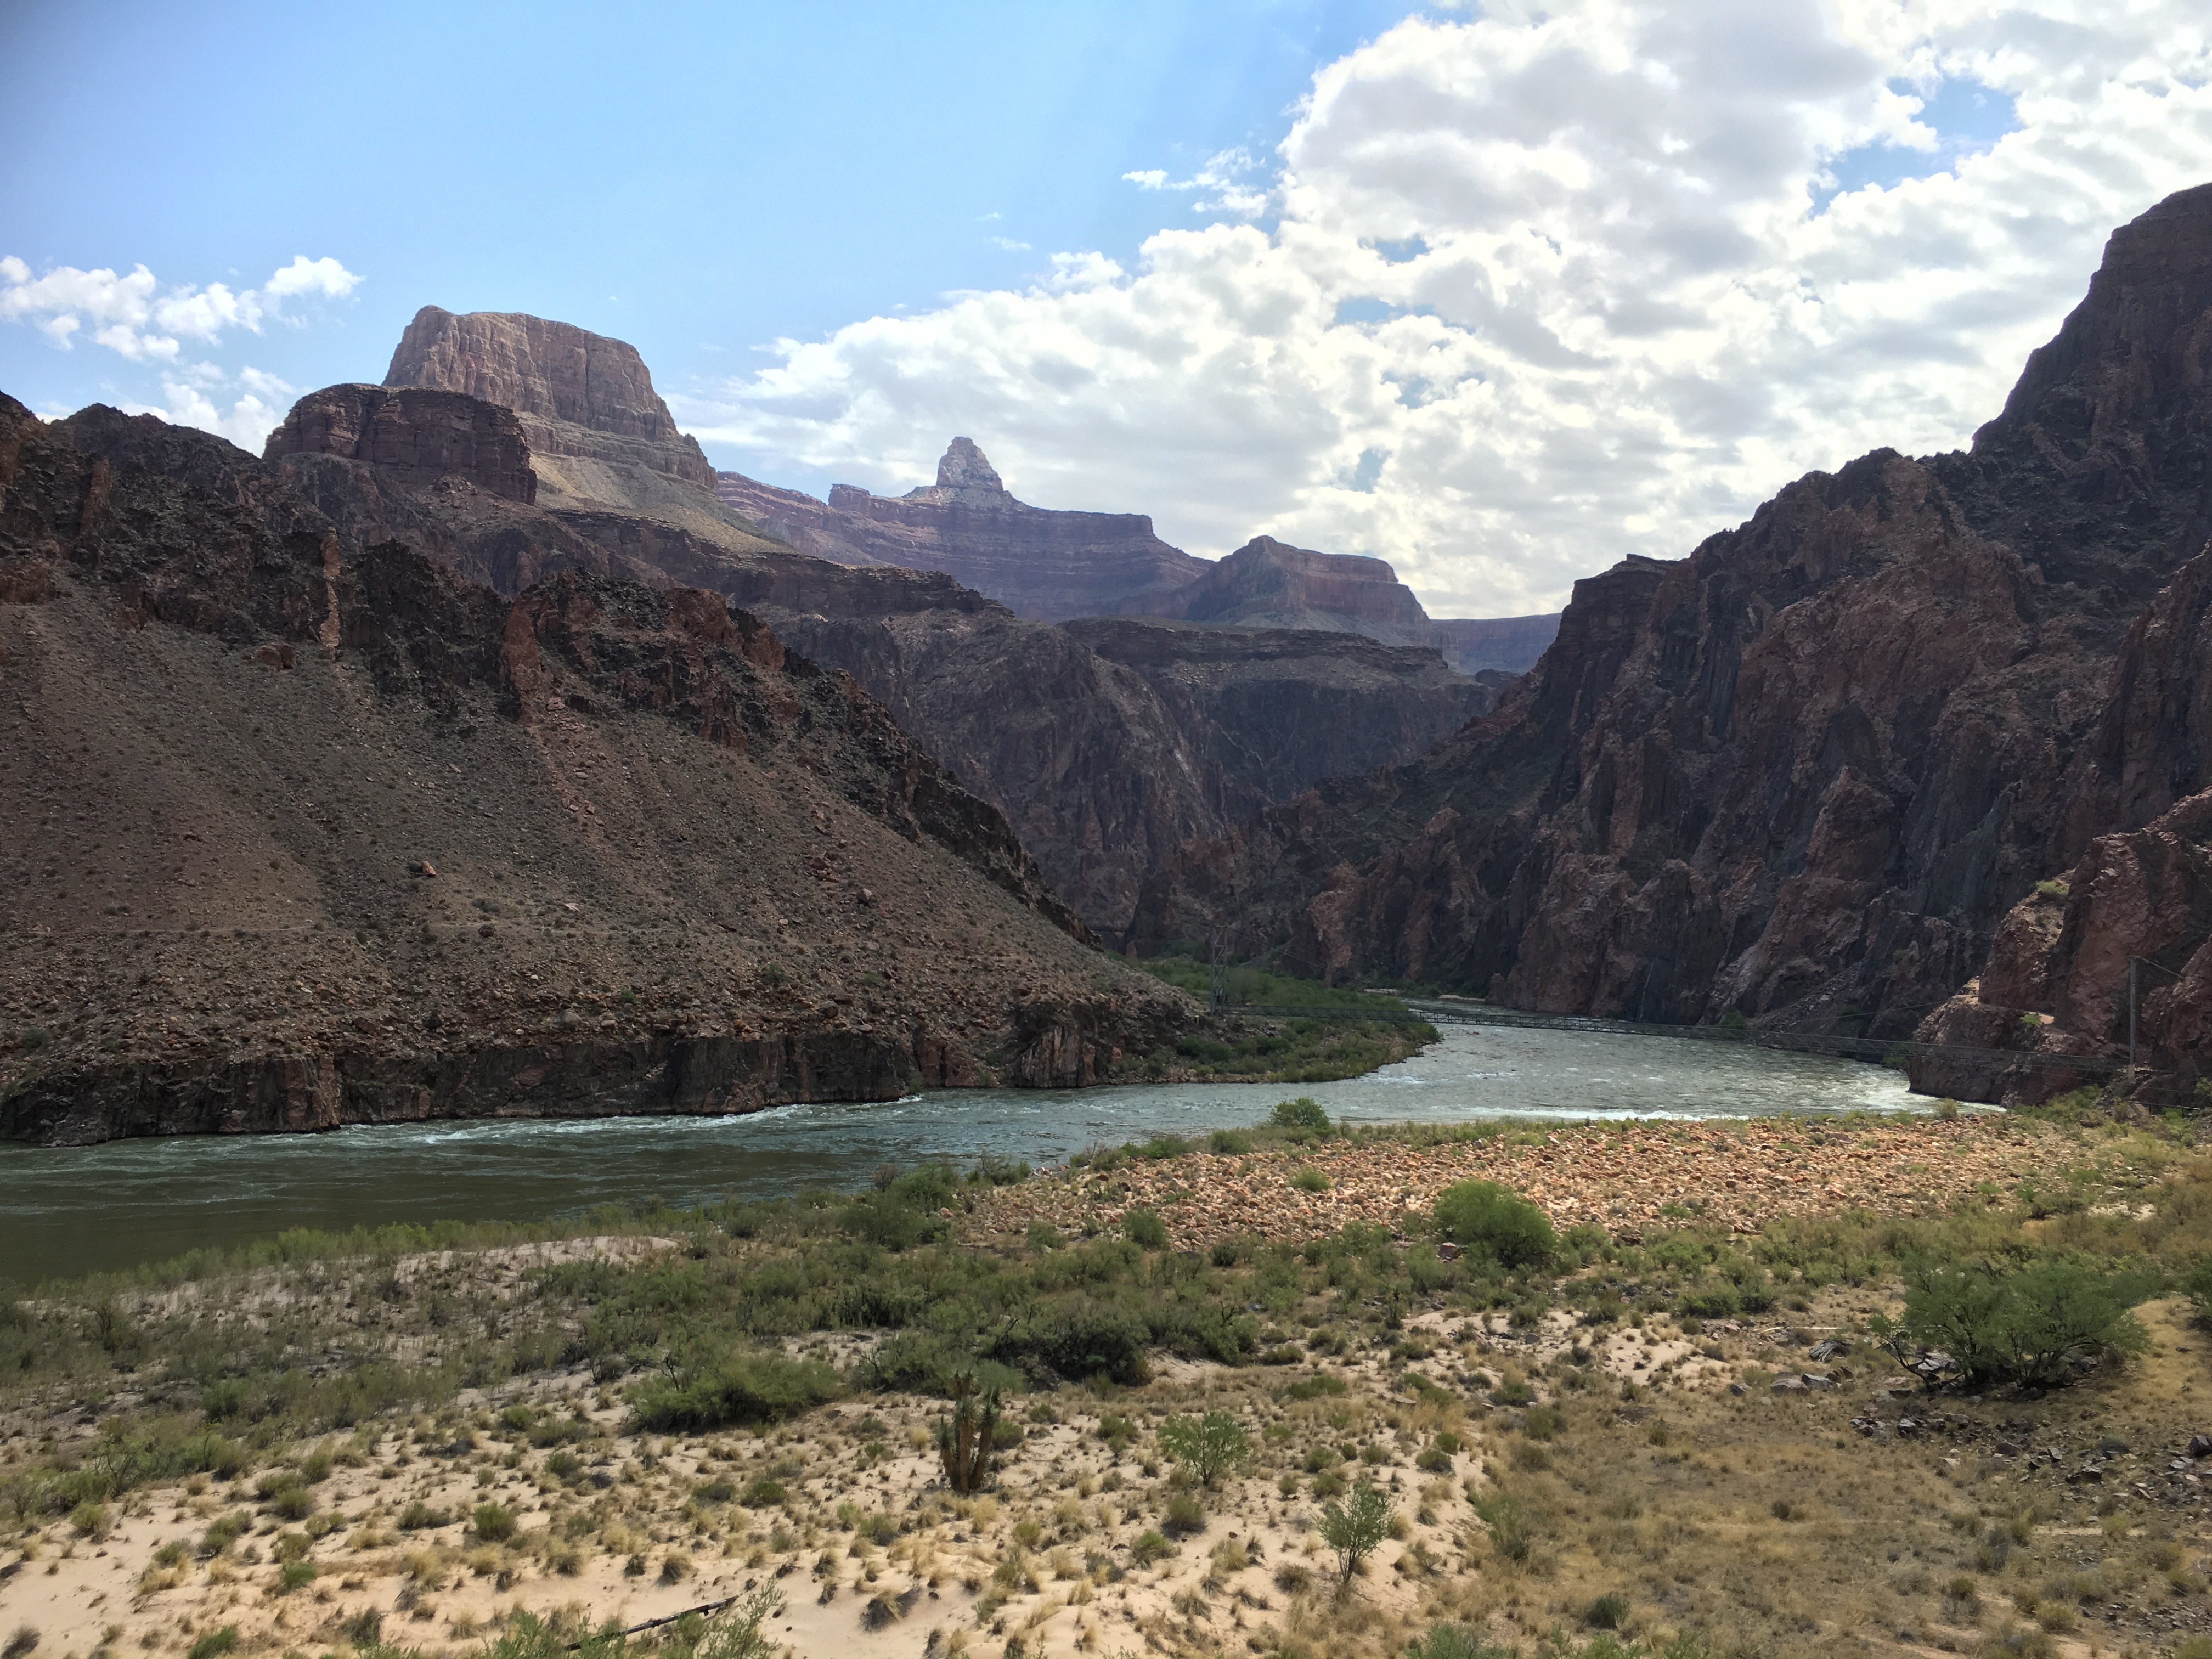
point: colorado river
(66, 1211)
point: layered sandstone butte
(296, 831)
(1270, 584)
(1804, 774)
(599, 436)
(1042, 564)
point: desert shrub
(215, 1643)
(1151, 1547)
(1512, 1529)
(2024, 1325)
(1542, 1422)
(1207, 1446)
(1145, 1229)
(1185, 1514)
(1455, 1642)
(1305, 1114)
(493, 1522)
(1482, 1216)
(1228, 1142)
(1310, 1180)
(743, 1387)
(1608, 1612)
(2196, 1285)
(418, 1515)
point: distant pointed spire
(964, 467)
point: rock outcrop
(1042, 564)
(1270, 584)
(417, 438)
(599, 436)
(299, 832)
(1805, 773)
(1275, 711)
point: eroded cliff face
(297, 832)
(1040, 564)
(599, 436)
(1806, 773)
(1104, 768)
(2132, 880)
(1270, 584)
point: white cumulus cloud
(131, 314)
(1545, 287)
(257, 399)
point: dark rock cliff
(1806, 773)
(295, 832)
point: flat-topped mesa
(599, 436)
(1040, 563)
(417, 436)
(1270, 584)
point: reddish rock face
(1044, 565)
(599, 434)
(418, 438)
(1806, 773)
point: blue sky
(698, 179)
(1498, 291)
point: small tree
(963, 1440)
(1354, 1528)
(1305, 1114)
(1481, 1215)
(2026, 1326)
(1207, 1446)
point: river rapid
(65, 1211)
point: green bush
(215, 1643)
(2025, 1325)
(1608, 1612)
(1455, 1642)
(1310, 1180)
(1512, 1529)
(1185, 1515)
(1208, 1446)
(1145, 1229)
(1305, 1114)
(1150, 1547)
(493, 1522)
(737, 1389)
(2196, 1285)
(294, 1576)
(1483, 1217)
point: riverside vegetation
(1683, 1439)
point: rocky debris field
(1622, 1177)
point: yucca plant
(963, 1439)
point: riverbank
(616, 1420)
(1625, 1178)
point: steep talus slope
(1041, 564)
(295, 833)
(1805, 773)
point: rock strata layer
(296, 831)
(1103, 768)
(1041, 564)
(599, 436)
(1806, 775)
